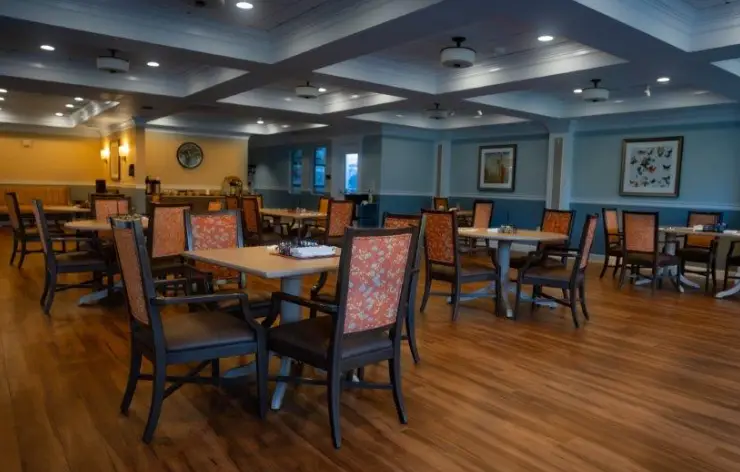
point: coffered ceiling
(230, 70)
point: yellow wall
(222, 157)
(126, 137)
(49, 159)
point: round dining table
(95, 225)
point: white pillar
(442, 164)
(560, 164)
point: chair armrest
(72, 239)
(733, 243)
(191, 299)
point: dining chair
(215, 205)
(232, 202)
(77, 262)
(195, 336)
(319, 225)
(340, 215)
(443, 259)
(572, 281)
(482, 219)
(640, 248)
(222, 230)
(612, 240)
(254, 229)
(22, 234)
(167, 239)
(440, 203)
(701, 249)
(365, 326)
(103, 206)
(553, 221)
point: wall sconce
(104, 154)
(123, 151)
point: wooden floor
(652, 383)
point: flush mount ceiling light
(595, 94)
(2, 99)
(286, 126)
(260, 121)
(3, 90)
(545, 38)
(79, 99)
(437, 113)
(59, 114)
(663, 80)
(355, 96)
(458, 56)
(578, 90)
(47, 47)
(618, 101)
(288, 99)
(153, 64)
(69, 105)
(244, 5)
(322, 89)
(307, 91)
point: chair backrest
(14, 212)
(392, 221)
(557, 221)
(482, 213)
(373, 280)
(587, 241)
(214, 230)
(440, 203)
(640, 231)
(166, 235)
(440, 237)
(702, 218)
(324, 204)
(260, 200)
(611, 226)
(215, 205)
(340, 216)
(105, 206)
(232, 203)
(37, 206)
(251, 217)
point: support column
(560, 164)
(442, 163)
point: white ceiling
(222, 68)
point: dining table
(93, 226)
(504, 241)
(297, 215)
(264, 262)
(27, 210)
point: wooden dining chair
(318, 226)
(612, 240)
(167, 239)
(440, 203)
(195, 336)
(103, 206)
(553, 221)
(232, 202)
(640, 248)
(78, 262)
(443, 261)
(340, 215)
(365, 326)
(254, 230)
(482, 219)
(24, 235)
(732, 260)
(701, 249)
(572, 281)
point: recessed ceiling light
(545, 38)
(2, 99)
(59, 114)
(578, 90)
(399, 115)
(480, 112)
(618, 101)
(494, 69)
(322, 89)
(701, 92)
(244, 5)
(288, 99)
(69, 105)
(3, 91)
(153, 64)
(664, 80)
(355, 96)
(286, 126)
(260, 121)
(47, 47)
(79, 99)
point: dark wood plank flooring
(652, 383)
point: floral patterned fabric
(376, 273)
(251, 215)
(589, 241)
(440, 203)
(215, 231)
(440, 238)
(10, 199)
(392, 222)
(482, 215)
(128, 256)
(168, 231)
(107, 207)
(639, 232)
(340, 217)
(701, 219)
(557, 222)
(612, 225)
(40, 226)
(215, 205)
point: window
(296, 170)
(350, 172)
(319, 170)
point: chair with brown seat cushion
(572, 281)
(78, 262)
(255, 233)
(340, 215)
(364, 327)
(201, 337)
(701, 249)
(222, 230)
(443, 259)
(641, 249)
(318, 226)
(553, 221)
(612, 240)
(166, 239)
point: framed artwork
(497, 168)
(651, 167)
(114, 162)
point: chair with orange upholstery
(440, 203)
(700, 249)
(553, 221)
(482, 219)
(167, 239)
(103, 206)
(215, 205)
(340, 215)
(612, 240)
(254, 229)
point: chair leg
(622, 274)
(427, 291)
(456, 301)
(334, 388)
(617, 265)
(536, 291)
(411, 333)
(155, 409)
(566, 296)
(606, 266)
(394, 371)
(24, 251)
(582, 296)
(52, 290)
(216, 371)
(133, 378)
(573, 308)
(726, 276)
(46, 287)
(518, 300)
(263, 361)
(713, 268)
(15, 248)
(654, 282)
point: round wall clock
(189, 155)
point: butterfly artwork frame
(651, 167)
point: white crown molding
(197, 132)
(622, 202)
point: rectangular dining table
(262, 262)
(27, 210)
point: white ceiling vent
(595, 94)
(457, 57)
(307, 91)
(113, 64)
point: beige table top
(521, 235)
(296, 215)
(464, 213)
(683, 230)
(27, 209)
(259, 261)
(94, 225)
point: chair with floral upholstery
(166, 239)
(641, 249)
(572, 281)
(215, 205)
(443, 259)
(23, 233)
(103, 206)
(701, 249)
(197, 336)
(318, 226)
(254, 230)
(553, 221)
(612, 240)
(340, 215)
(363, 328)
